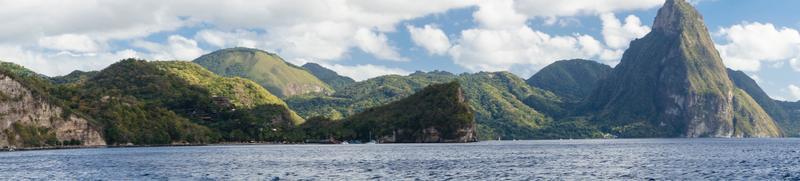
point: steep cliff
(672, 83)
(29, 117)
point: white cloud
(376, 44)
(748, 45)
(498, 14)
(550, 8)
(794, 92)
(237, 38)
(431, 38)
(795, 63)
(296, 29)
(500, 44)
(365, 71)
(618, 35)
(177, 48)
(69, 42)
(64, 62)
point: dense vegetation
(143, 102)
(437, 113)
(788, 122)
(687, 92)
(336, 81)
(572, 80)
(504, 105)
(266, 69)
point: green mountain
(438, 113)
(672, 83)
(789, 124)
(336, 81)
(267, 69)
(74, 77)
(32, 116)
(504, 105)
(572, 80)
(143, 102)
(792, 124)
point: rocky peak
(672, 82)
(675, 16)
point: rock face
(29, 121)
(267, 69)
(437, 114)
(672, 83)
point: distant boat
(372, 142)
(345, 143)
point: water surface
(739, 159)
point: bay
(626, 159)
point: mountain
(30, 116)
(792, 123)
(267, 69)
(74, 77)
(143, 102)
(572, 80)
(504, 105)
(336, 81)
(672, 83)
(789, 124)
(438, 113)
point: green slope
(572, 80)
(336, 81)
(789, 123)
(165, 102)
(74, 77)
(504, 105)
(437, 113)
(267, 69)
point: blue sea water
(625, 159)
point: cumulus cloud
(296, 29)
(69, 42)
(549, 8)
(748, 45)
(618, 35)
(235, 38)
(176, 48)
(499, 44)
(795, 63)
(376, 44)
(431, 38)
(63, 62)
(794, 92)
(365, 71)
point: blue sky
(364, 39)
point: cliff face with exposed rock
(29, 121)
(672, 83)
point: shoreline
(273, 143)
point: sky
(368, 38)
